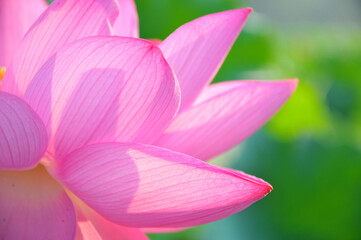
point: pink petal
(197, 49)
(127, 21)
(33, 206)
(224, 115)
(16, 16)
(92, 226)
(63, 22)
(23, 136)
(102, 89)
(145, 186)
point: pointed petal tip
(268, 188)
(247, 10)
(244, 12)
(197, 49)
(293, 83)
(263, 187)
(288, 85)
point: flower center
(2, 72)
(33, 185)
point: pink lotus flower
(87, 120)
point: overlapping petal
(224, 115)
(33, 206)
(92, 226)
(62, 22)
(16, 16)
(102, 89)
(197, 49)
(23, 136)
(126, 23)
(145, 186)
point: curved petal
(64, 21)
(23, 136)
(104, 89)
(224, 115)
(16, 16)
(92, 226)
(127, 22)
(145, 186)
(33, 206)
(197, 49)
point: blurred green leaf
(305, 113)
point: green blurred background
(311, 150)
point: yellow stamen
(2, 72)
